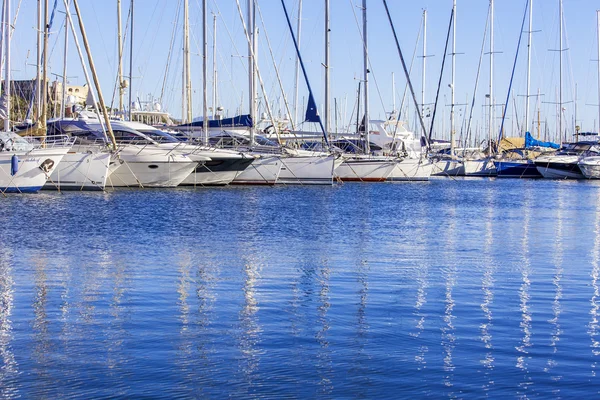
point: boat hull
(448, 168)
(217, 172)
(312, 170)
(30, 176)
(482, 168)
(365, 169)
(555, 170)
(263, 171)
(590, 171)
(516, 169)
(149, 170)
(411, 169)
(81, 171)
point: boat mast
(214, 55)
(298, 31)
(131, 63)
(187, 79)
(527, 124)
(366, 76)
(102, 105)
(38, 89)
(120, 50)
(598, 18)
(251, 70)
(204, 72)
(424, 65)
(491, 113)
(326, 112)
(44, 116)
(452, 132)
(560, 96)
(64, 80)
(7, 63)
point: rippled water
(447, 289)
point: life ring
(47, 165)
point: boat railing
(54, 141)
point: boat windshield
(159, 136)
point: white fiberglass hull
(448, 168)
(263, 171)
(309, 170)
(135, 168)
(365, 169)
(412, 169)
(81, 171)
(34, 168)
(590, 167)
(483, 167)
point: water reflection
(594, 325)
(449, 275)
(250, 329)
(41, 334)
(324, 364)
(487, 287)
(9, 368)
(524, 295)
(558, 291)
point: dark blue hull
(515, 169)
(21, 189)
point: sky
(157, 24)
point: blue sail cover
(531, 142)
(235, 122)
(312, 115)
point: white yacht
(138, 161)
(24, 167)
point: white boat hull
(263, 171)
(149, 169)
(317, 170)
(479, 168)
(30, 176)
(411, 169)
(448, 168)
(81, 171)
(365, 169)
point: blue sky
(155, 21)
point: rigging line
(156, 30)
(258, 74)
(371, 70)
(170, 53)
(412, 91)
(285, 101)
(437, 96)
(406, 87)
(287, 17)
(468, 135)
(231, 38)
(513, 71)
(101, 36)
(117, 83)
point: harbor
(251, 199)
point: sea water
(450, 288)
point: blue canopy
(531, 142)
(239, 121)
